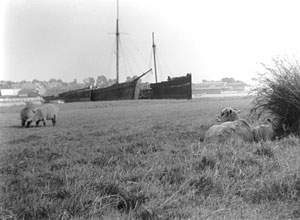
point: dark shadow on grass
(15, 126)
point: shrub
(278, 95)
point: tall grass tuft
(278, 94)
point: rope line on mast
(169, 72)
(126, 60)
(140, 54)
(110, 66)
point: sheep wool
(45, 112)
(26, 113)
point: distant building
(217, 87)
(208, 88)
(9, 92)
(28, 93)
(237, 86)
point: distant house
(237, 86)
(28, 93)
(208, 88)
(9, 92)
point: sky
(73, 39)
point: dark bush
(278, 95)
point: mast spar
(154, 56)
(117, 43)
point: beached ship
(173, 88)
(118, 91)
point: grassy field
(143, 160)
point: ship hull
(174, 88)
(122, 91)
(78, 95)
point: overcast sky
(68, 39)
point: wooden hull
(174, 88)
(52, 98)
(122, 91)
(78, 95)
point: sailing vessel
(118, 91)
(173, 88)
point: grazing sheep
(232, 127)
(26, 112)
(45, 112)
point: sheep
(239, 129)
(232, 127)
(265, 132)
(43, 113)
(228, 114)
(27, 112)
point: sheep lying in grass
(43, 113)
(229, 114)
(268, 131)
(232, 127)
(26, 112)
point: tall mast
(117, 43)
(154, 56)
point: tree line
(99, 82)
(225, 79)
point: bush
(278, 95)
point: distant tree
(73, 83)
(92, 81)
(228, 80)
(59, 81)
(129, 79)
(89, 81)
(35, 81)
(86, 81)
(101, 81)
(111, 82)
(52, 80)
(44, 83)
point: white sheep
(264, 132)
(27, 112)
(43, 113)
(229, 114)
(232, 127)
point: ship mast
(117, 43)
(154, 56)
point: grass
(143, 160)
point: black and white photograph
(149, 109)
